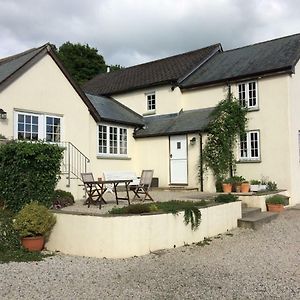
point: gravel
(242, 264)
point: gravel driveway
(243, 264)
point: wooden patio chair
(144, 186)
(93, 189)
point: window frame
(42, 126)
(249, 148)
(247, 91)
(150, 108)
(120, 146)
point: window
(151, 105)
(112, 140)
(249, 146)
(28, 127)
(35, 127)
(247, 93)
(52, 129)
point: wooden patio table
(96, 189)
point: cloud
(128, 32)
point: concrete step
(250, 211)
(257, 220)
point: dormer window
(151, 102)
(247, 94)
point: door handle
(171, 155)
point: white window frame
(41, 124)
(150, 108)
(247, 99)
(249, 148)
(119, 144)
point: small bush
(226, 198)
(28, 171)
(255, 182)
(276, 199)
(271, 186)
(34, 219)
(9, 237)
(192, 214)
(62, 199)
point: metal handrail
(74, 161)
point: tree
(82, 61)
(228, 123)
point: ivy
(228, 122)
(28, 171)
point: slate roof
(167, 70)
(11, 64)
(113, 111)
(14, 66)
(179, 123)
(278, 55)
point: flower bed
(129, 235)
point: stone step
(257, 220)
(250, 211)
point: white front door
(178, 159)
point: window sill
(115, 157)
(253, 109)
(149, 112)
(247, 161)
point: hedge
(28, 171)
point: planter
(227, 187)
(238, 188)
(34, 243)
(262, 187)
(245, 187)
(275, 207)
(254, 187)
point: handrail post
(69, 166)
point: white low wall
(125, 236)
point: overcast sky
(129, 32)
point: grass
(10, 246)
(21, 255)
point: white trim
(249, 157)
(246, 84)
(111, 155)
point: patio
(157, 194)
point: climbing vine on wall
(228, 122)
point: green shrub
(9, 237)
(192, 214)
(62, 199)
(254, 182)
(276, 199)
(28, 171)
(271, 186)
(226, 198)
(34, 219)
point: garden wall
(126, 236)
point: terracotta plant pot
(245, 187)
(275, 207)
(227, 187)
(34, 243)
(238, 188)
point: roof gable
(163, 71)
(278, 55)
(14, 66)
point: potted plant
(236, 183)
(245, 187)
(227, 185)
(276, 203)
(254, 185)
(34, 222)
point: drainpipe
(201, 163)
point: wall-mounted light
(3, 114)
(193, 141)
